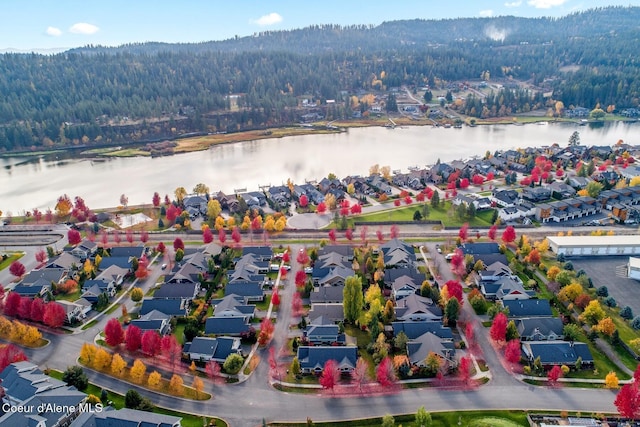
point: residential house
(403, 281)
(260, 253)
(323, 332)
(540, 328)
(234, 326)
(328, 261)
(40, 288)
(398, 253)
(183, 291)
(26, 388)
(535, 194)
(251, 291)
(560, 190)
(174, 307)
(376, 181)
(233, 306)
(104, 286)
(112, 274)
(568, 209)
(125, 417)
(505, 198)
(417, 308)
(279, 195)
(85, 250)
(312, 359)
(204, 349)
(75, 311)
(419, 348)
(153, 321)
(578, 182)
(557, 352)
(66, 261)
(327, 294)
(196, 205)
(528, 308)
(415, 329)
(328, 311)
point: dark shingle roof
(528, 308)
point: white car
(308, 270)
(450, 256)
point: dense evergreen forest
(97, 95)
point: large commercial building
(574, 246)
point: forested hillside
(153, 90)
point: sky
(59, 24)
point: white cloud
(486, 13)
(546, 4)
(270, 19)
(513, 3)
(83, 28)
(53, 31)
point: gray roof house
(415, 307)
(415, 329)
(204, 349)
(125, 417)
(557, 352)
(313, 359)
(540, 328)
(153, 321)
(172, 307)
(323, 334)
(419, 348)
(233, 306)
(327, 294)
(331, 312)
(232, 326)
(528, 308)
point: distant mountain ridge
(407, 34)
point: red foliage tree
(283, 272)
(104, 238)
(394, 232)
(286, 257)
(469, 333)
(348, 234)
(172, 213)
(554, 374)
(463, 233)
(133, 338)
(560, 172)
(113, 332)
(222, 235)
(275, 298)
(144, 236)
(24, 309)
(490, 176)
(464, 368)
(332, 235)
(301, 278)
(12, 304)
(207, 235)
(150, 343)
(457, 263)
(141, 272)
(344, 211)
(10, 354)
(235, 235)
(54, 315)
(498, 329)
(178, 244)
(213, 370)
(512, 351)
(296, 305)
(396, 202)
(363, 234)
(303, 257)
(116, 236)
(380, 236)
(74, 237)
(454, 289)
(129, 236)
(493, 231)
(161, 248)
(356, 209)
(37, 215)
(330, 375)
(533, 257)
(464, 183)
(628, 401)
(321, 208)
(385, 373)
(304, 201)
(266, 331)
(408, 200)
(171, 350)
(156, 200)
(41, 256)
(37, 310)
(17, 269)
(477, 179)
(420, 197)
(509, 234)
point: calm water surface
(29, 183)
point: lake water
(29, 183)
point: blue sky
(51, 24)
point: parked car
(449, 256)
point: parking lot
(612, 273)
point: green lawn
(10, 258)
(440, 419)
(443, 214)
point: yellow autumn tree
(246, 223)
(6, 327)
(18, 331)
(193, 366)
(269, 223)
(542, 246)
(88, 267)
(102, 359)
(606, 326)
(635, 181)
(198, 385)
(32, 335)
(137, 371)
(570, 292)
(117, 365)
(219, 223)
(231, 222)
(281, 223)
(176, 385)
(552, 272)
(611, 380)
(87, 353)
(330, 201)
(154, 379)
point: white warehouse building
(574, 246)
(633, 268)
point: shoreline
(204, 142)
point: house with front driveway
(327, 294)
(114, 275)
(66, 261)
(553, 353)
(313, 358)
(414, 329)
(233, 306)
(323, 333)
(104, 286)
(417, 308)
(85, 250)
(234, 326)
(328, 311)
(204, 349)
(528, 308)
(398, 253)
(174, 307)
(125, 417)
(75, 311)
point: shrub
(626, 313)
(602, 291)
(568, 266)
(75, 376)
(635, 323)
(610, 302)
